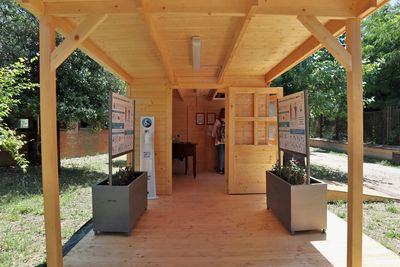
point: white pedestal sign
(147, 160)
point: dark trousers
(221, 157)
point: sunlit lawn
(381, 221)
(21, 207)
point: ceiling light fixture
(196, 47)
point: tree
(12, 84)
(381, 49)
(325, 81)
(82, 84)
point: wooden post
(130, 156)
(355, 144)
(48, 124)
(169, 129)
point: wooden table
(185, 150)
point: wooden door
(252, 137)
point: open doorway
(194, 113)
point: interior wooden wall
(184, 124)
(155, 99)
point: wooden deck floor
(201, 226)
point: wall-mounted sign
(122, 125)
(292, 118)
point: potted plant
(298, 205)
(119, 206)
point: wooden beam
(48, 133)
(237, 40)
(311, 45)
(335, 27)
(324, 36)
(189, 86)
(36, 7)
(355, 145)
(180, 94)
(82, 8)
(234, 8)
(75, 38)
(65, 27)
(212, 93)
(162, 50)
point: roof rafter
(327, 40)
(238, 39)
(75, 38)
(162, 49)
(311, 45)
(238, 8)
(65, 27)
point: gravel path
(382, 178)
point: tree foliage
(82, 84)
(13, 83)
(381, 55)
(325, 78)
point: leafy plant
(13, 82)
(291, 173)
(124, 176)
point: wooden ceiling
(241, 38)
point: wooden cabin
(245, 44)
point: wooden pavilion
(245, 44)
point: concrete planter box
(118, 208)
(298, 207)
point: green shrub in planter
(291, 173)
(298, 205)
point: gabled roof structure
(259, 39)
(243, 43)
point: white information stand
(147, 160)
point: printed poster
(122, 124)
(292, 123)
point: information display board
(292, 123)
(122, 125)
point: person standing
(219, 134)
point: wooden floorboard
(199, 225)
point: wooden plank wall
(155, 99)
(184, 124)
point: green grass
(381, 221)
(21, 207)
(328, 174)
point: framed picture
(200, 118)
(211, 118)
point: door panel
(251, 138)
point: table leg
(194, 166)
(186, 164)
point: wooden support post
(169, 134)
(355, 144)
(48, 124)
(130, 156)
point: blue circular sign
(146, 122)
